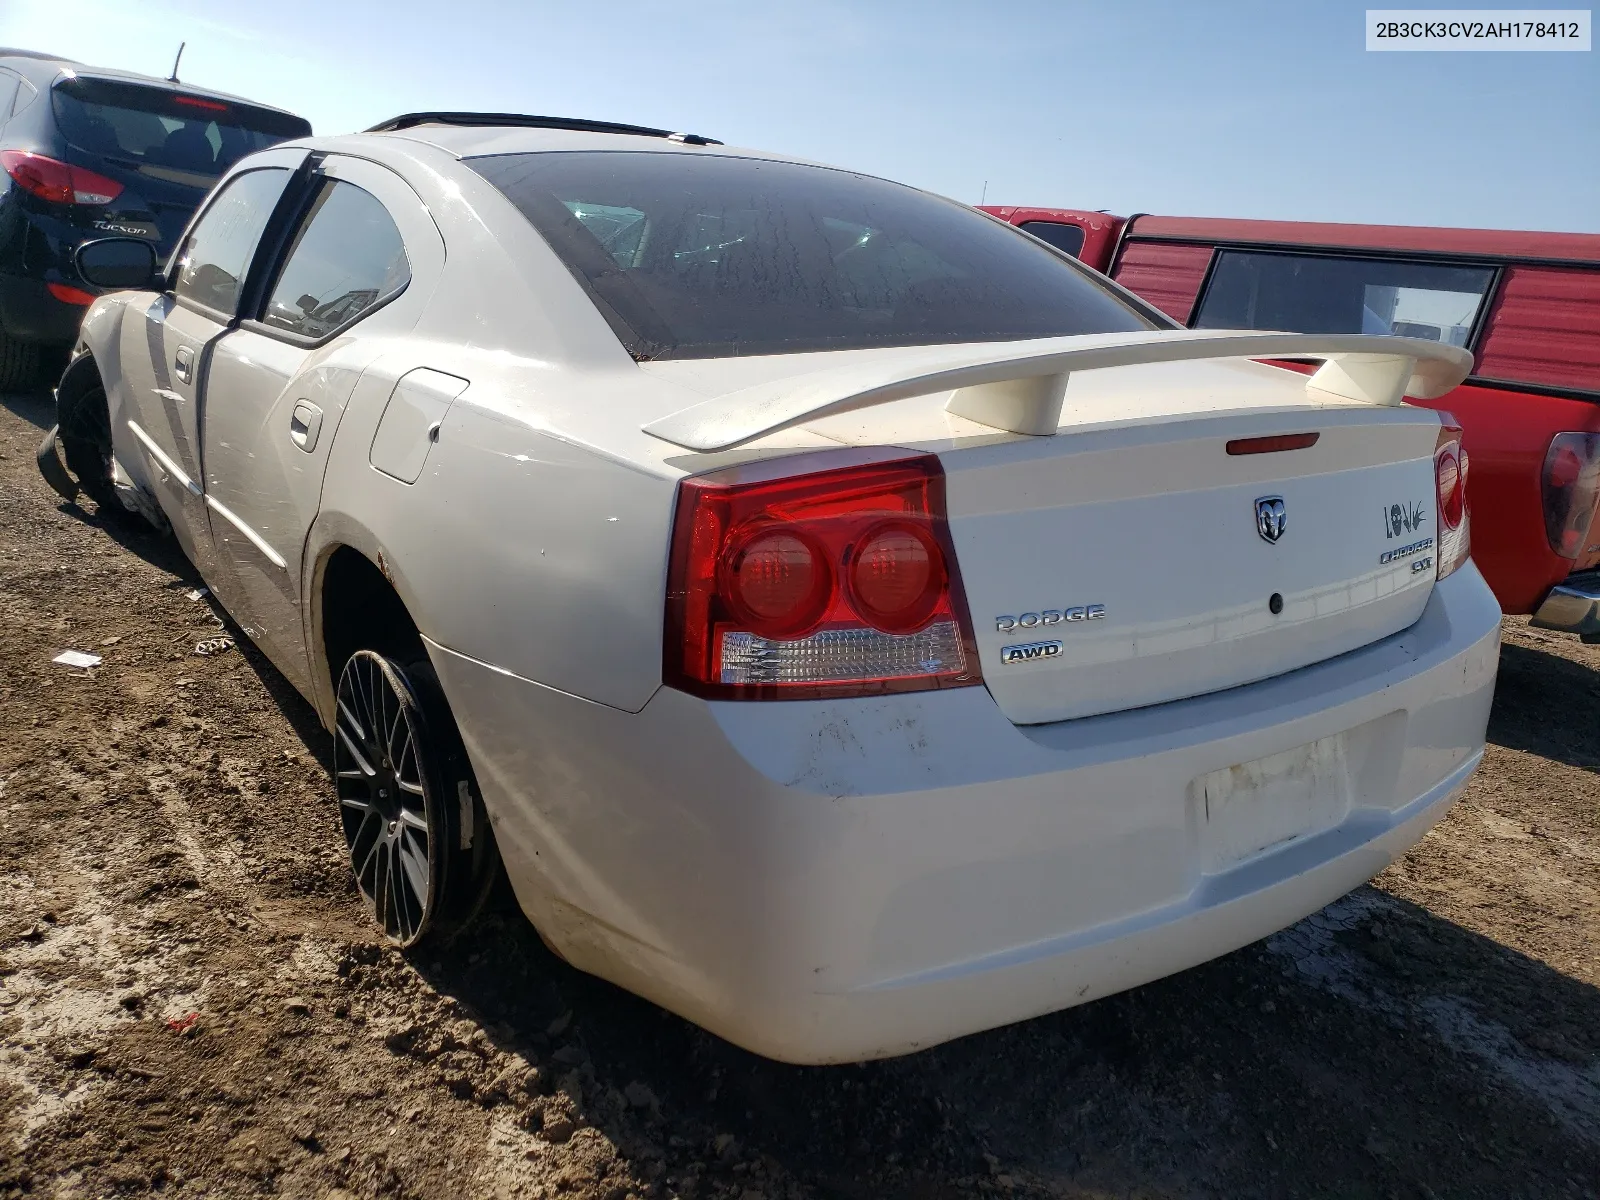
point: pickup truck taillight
(1450, 481)
(58, 182)
(1570, 486)
(835, 581)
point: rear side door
(353, 270)
(164, 355)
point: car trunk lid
(1123, 567)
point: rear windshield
(707, 256)
(167, 135)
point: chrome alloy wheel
(384, 769)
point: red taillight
(58, 182)
(777, 582)
(1450, 485)
(824, 580)
(1569, 489)
(1447, 474)
(68, 294)
(897, 574)
(1273, 444)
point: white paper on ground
(76, 658)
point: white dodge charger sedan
(852, 622)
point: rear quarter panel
(519, 547)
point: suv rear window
(165, 134)
(1307, 293)
(707, 256)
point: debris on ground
(77, 658)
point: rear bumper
(1573, 606)
(829, 881)
(29, 313)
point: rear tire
(415, 827)
(19, 364)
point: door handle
(304, 425)
(183, 364)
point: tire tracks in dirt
(192, 1002)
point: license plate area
(1254, 807)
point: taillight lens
(68, 294)
(897, 577)
(795, 578)
(196, 102)
(58, 182)
(1570, 488)
(777, 582)
(1450, 484)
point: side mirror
(119, 262)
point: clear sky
(1218, 109)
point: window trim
(1479, 315)
(9, 109)
(19, 104)
(1555, 391)
(272, 270)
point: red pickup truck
(1526, 304)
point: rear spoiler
(1020, 386)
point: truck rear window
(166, 134)
(1308, 293)
(707, 256)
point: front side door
(164, 354)
(356, 266)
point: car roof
(116, 75)
(479, 141)
(36, 56)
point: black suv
(89, 153)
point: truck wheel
(19, 363)
(417, 833)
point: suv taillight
(1450, 485)
(838, 581)
(58, 182)
(1569, 487)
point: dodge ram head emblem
(1271, 518)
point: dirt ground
(193, 1004)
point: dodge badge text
(1050, 616)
